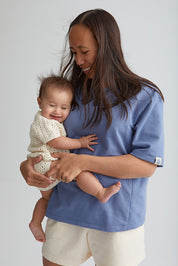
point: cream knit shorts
(71, 245)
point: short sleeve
(148, 139)
(45, 129)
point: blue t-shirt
(140, 135)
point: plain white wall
(31, 39)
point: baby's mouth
(55, 117)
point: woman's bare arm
(123, 167)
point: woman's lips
(86, 70)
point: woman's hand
(32, 177)
(67, 168)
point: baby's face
(56, 103)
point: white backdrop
(31, 39)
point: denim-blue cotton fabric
(141, 135)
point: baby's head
(55, 98)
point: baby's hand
(87, 141)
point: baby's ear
(39, 102)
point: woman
(125, 112)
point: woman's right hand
(32, 177)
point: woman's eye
(82, 52)
(74, 53)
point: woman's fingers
(57, 154)
(35, 160)
(38, 180)
(67, 168)
(32, 177)
(54, 170)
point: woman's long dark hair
(111, 70)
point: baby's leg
(90, 184)
(38, 216)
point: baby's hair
(54, 80)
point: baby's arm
(65, 143)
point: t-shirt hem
(110, 229)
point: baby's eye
(52, 105)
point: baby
(48, 135)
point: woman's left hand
(67, 168)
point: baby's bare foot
(109, 192)
(37, 231)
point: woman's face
(84, 48)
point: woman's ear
(39, 102)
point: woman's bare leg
(49, 263)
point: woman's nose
(79, 60)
